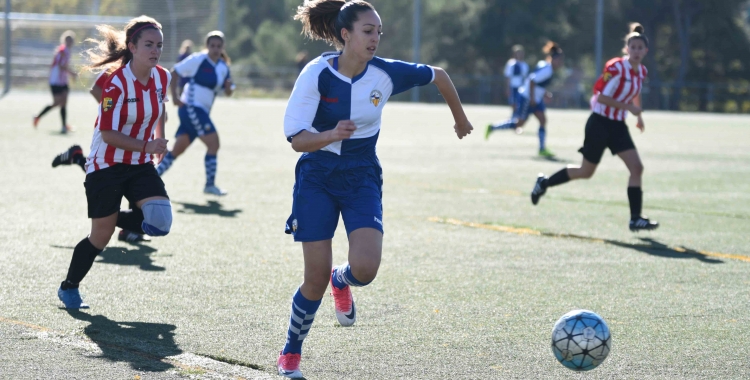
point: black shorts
(58, 89)
(603, 133)
(105, 188)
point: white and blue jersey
(542, 77)
(322, 97)
(516, 72)
(344, 177)
(205, 78)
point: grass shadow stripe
(652, 246)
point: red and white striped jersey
(620, 81)
(130, 108)
(57, 75)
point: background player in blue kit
(334, 117)
(516, 71)
(530, 98)
(208, 73)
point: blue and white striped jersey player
(334, 118)
(206, 73)
(516, 71)
(530, 98)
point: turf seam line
(529, 231)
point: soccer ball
(581, 340)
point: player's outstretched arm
(448, 90)
(307, 141)
(120, 140)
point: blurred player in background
(58, 80)
(207, 73)
(186, 49)
(516, 71)
(617, 92)
(123, 145)
(530, 98)
(334, 118)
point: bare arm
(96, 92)
(122, 141)
(609, 101)
(448, 90)
(532, 92)
(228, 87)
(307, 141)
(173, 85)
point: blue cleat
(71, 298)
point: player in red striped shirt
(617, 92)
(121, 159)
(58, 79)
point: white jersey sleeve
(188, 67)
(303, 103)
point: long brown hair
(637, 32)
(218, 34)
(324, 19)
(113, 46)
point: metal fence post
(416, 42)
(8, 41)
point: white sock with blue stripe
(165, 163)
(342, 276)
(542, 137)
(211, 163)
(508, 124)
(303, 313)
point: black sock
(80, 160)
(64, 115)
(558, 178)
(45, 110)
(635, 197)
(83, 258)
(131, 220)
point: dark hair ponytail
(637, 32)
(113, 46)
(552, 49)
(324, 19)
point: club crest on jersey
(106, 104)
(375, 97)
(160, 95)
(607, 77)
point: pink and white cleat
(346, 313)
(288, 366)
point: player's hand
(463, 128)
(548, 95)
(532, 103)
(344, 130)
(178, 103)
(635, 110)
(640, 124)
(157, 146)
(228, 84)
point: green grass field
(473, 276)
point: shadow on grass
(655, 248)
(553, 159)
(212, 208)
(143, 345)
(140, 256)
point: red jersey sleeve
(101, 80)
(609, 79)
(111, 108)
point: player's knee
(365, 274)
(587, 173)
(637, 170)
(157, 217)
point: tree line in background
(696, 45)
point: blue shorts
(194, 122)
(513, 95)
(328, 185)
(523, 109)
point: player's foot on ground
(346, 312)
(519, 130)
(36, 121)
(642, 223)
(68, 128)
(540, 187)
(214, 190)
(67, 157)
(487, 132)
(71, 298)
(132, 237)
(546, 153)
(288, 365)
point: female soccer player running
(333, 117)
(207, 74)
(530, 98)
(120, 163)
(516, 71)
(615, 93)
(58, 80)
